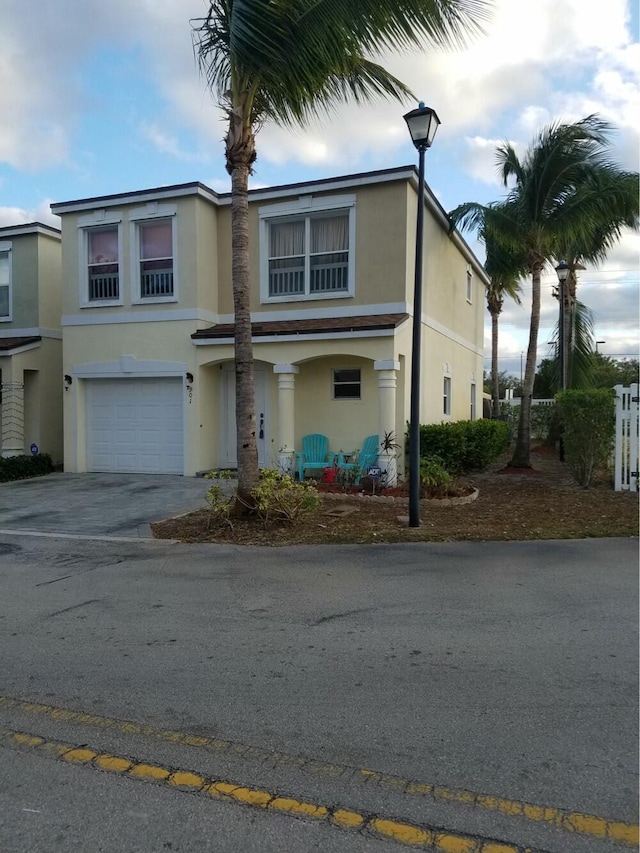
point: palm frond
(292, 59)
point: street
(484, 693)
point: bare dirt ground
(543, 502)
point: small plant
(220, 503)
(433, 474)
(279, 498)
(388, 443)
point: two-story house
(31, 378)
(148, 321)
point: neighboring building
(148, 321)
(30, 340)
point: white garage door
(135, 425)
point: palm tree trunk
(247, 453)
(569, 309)
(521, 454)
(495, 377)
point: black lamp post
(562, 271)
(423, 124)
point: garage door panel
(135, 425)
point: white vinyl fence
(627, 463)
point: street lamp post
(423, 123)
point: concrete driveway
(97, 504)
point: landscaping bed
(543, 502)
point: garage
(135, 425)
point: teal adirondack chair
(315, 454)
(368, 455)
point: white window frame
(302, 208)
(334, 382)
(7, 247)
(473, 401)
(141, 216)
(86, 224)
(446, 396)
(469, 284)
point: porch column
(387, 412)
(12, 390)
(286, 374)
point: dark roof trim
(8, 344)
(196, 187)
(306, 327)
(29, 228)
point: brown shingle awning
(306, 327)
(7, 344)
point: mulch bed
(542, 502)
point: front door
(229, 403)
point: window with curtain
(156, 258)
(309, 255)
(446, 408)
(5, 285)
(103, 263)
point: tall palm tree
(504, 268)
(622, 188)
(287, 62)
(561, 189)
(579, 357)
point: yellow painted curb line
(573, 822)
(410, 835)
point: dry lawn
(539, 503)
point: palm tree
(579, 357)
(563, 188)
(504, 270)
(287, 62)
(622, 189)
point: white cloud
(20, 216)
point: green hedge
(24, 467)
(465, 446)
(588, 424)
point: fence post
(626, 460)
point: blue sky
(104, 96)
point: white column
(387, 384)
(12, 417)
(286, 374)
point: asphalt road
(503, 675)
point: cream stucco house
(148, 321)
(30, 340)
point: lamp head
(423, 123)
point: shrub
(24, 467)
(588, 419)
(464, 446)
(433, 474)
(279, 498)
(220, 503)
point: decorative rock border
(391, 499)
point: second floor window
(309, 256)
(156, 259)
(103, 264)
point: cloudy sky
(104, 96)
